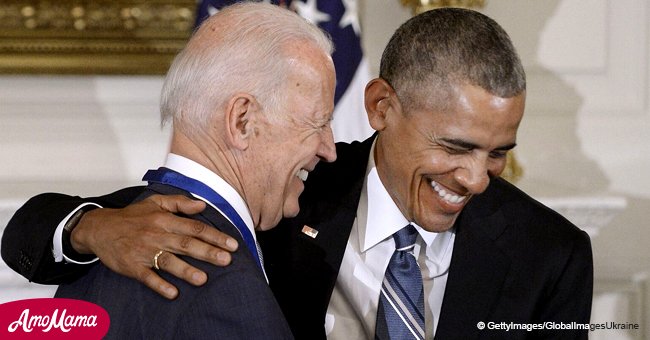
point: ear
(378, 101)
(239, 119)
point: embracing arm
(27, 239)
(124, 239)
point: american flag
(341, 20)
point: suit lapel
(476, 275)
(333, 214)
(334, 231)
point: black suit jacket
(235, 303)
(514, 260)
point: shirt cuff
(57, 240)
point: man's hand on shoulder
(126, 240)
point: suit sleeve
(27, 239)
(570, 299)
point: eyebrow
(470, 146)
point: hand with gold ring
(125, 240)
(155, 259)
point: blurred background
(80, 82)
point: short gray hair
(450, 46)
(244, 52)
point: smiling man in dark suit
(253, 79)
(446, 108)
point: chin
(266, 225)
(440, 229)
(438, 226)
(290, 210)
(291, 213)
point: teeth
(445, 195)
(302, 174)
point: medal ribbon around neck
(172, 178)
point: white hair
(244, 52)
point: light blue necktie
(401, 303)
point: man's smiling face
(432, 161)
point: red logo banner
(52, 318)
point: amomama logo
(52, 319)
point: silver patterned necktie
(400, 314)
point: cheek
(431, 162)
(411, 181)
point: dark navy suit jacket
(235, 303)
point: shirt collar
(385, 217)
(202, 174)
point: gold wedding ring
(155, 259)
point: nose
(327, 149)
(473, 176)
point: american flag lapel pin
(309, 231)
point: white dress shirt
(352, 310)
(193, 170)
